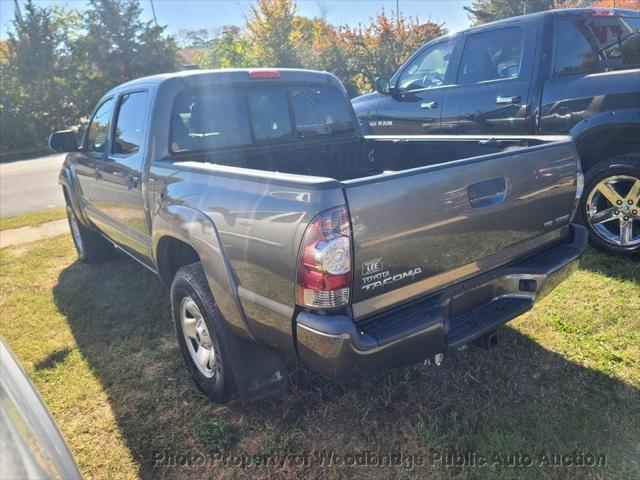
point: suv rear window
(596, 43)
(213, 118)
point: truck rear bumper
(337, 347)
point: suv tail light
(324, 261)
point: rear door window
(491, 55)
(320, 111)
(596, 43)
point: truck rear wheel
(610, 205)
(90, 245)
(198, 324)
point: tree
(630, 4)
(231, 49)
(275, 36)
(483, 11)
(57, 62)
(34, 72)
(118, 46)
(199, 38)
(272, 27)
(382, 46)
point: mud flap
(259, 371)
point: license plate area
(470, 300)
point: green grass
(33, 219)
(99, 344)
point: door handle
(508, 100)
(132, 182)
(488, 194)
(429, 105)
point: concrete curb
(16, 236)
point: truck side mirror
(382, 85)
(64, 141)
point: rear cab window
(228, 117)
(593, 43)
(207, 119)
(269, 114)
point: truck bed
(350, 158)
(426, 212)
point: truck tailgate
(418, 230)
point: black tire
(627, 165)
(190, 282)
(90, 245)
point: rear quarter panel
(260, 218)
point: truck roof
(559, 11)
(545, 13)
(234, 75)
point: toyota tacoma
(283, 232)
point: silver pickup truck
(284, 233)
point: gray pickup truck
(283, 232)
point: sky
(212, 14)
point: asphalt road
(30, 185)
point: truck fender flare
(590, 125)
(67, 179)
(259, 371)
(197, 230)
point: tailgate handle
(488, 194)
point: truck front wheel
(200, 333)
(610, 205)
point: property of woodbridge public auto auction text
(432, 458)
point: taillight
(259, 74)
(324, 262)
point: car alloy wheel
(198, 339)
(613, 210)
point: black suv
(573, 71)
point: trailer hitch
(487, 341)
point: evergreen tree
(118, 46)
(34, 76)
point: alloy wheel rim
(613, 210)
(75, 231)
(199, 341)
